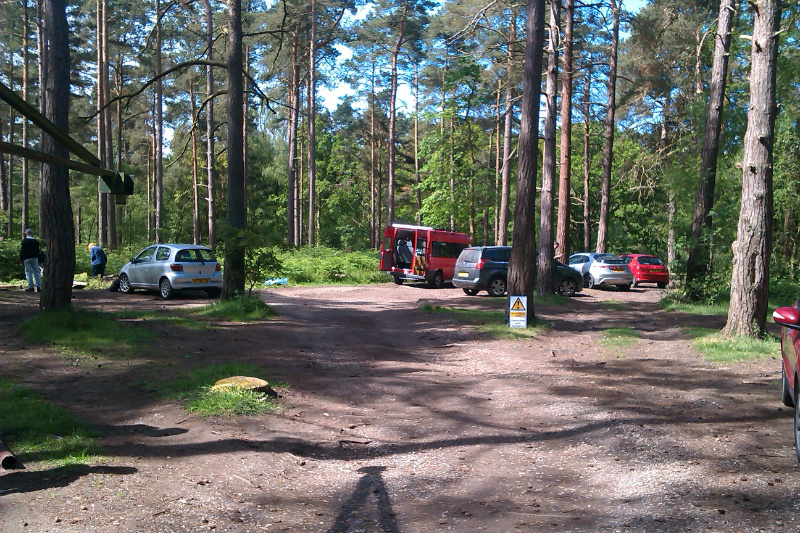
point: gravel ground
(398, 420)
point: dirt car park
(399, 420)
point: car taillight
(479, 264)
(176, 267)
(217, 268)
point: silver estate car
(172, 267)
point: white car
(168, 268)
(602, 269)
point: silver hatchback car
(172, 267)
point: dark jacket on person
(98, 256)
(29, 249)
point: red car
(789, 318)
(647, 269)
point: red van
(420, 253)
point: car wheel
(214, 292)
(796, 425)
(165, 287)
(662, 285)
(437, 281)
(626, 287)
(567, 287)
(125, 284)
(497, 287)
(588, 281)
(470, 292)
(398, 280)
(786, 392)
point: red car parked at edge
(789, 318)
(647, 269)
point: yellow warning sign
(517, 312)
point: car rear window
(646, 260)
(500, 255)
(469, 256)
(610, 259)
(195, 256)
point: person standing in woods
(99, 260)
(29, 258)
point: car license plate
(463, 274)
(618, 269)
(200, 280)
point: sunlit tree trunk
(234, 277)
(195, 195)
(747, 314)
(25, 83)
(587, 225)
(698, 260)
(505, 194)
(565, 166)
(312, 118)
(521, 269)
(56, 205)
(544, 281)
(294, 102)
(210, 156)
(608, 135)
(159, 179)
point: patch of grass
(551, 299)
(614, 305)
(230, 401)
(37, 430)
(195, 388)
(242, 309)
(716, 348)
(619, 337)
(716, 309)
(488, 321)
(81, 333)
(165, 317)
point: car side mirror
(133, 260)
(787, 316)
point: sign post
(518, 312)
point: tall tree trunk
(452, 174)
(234, 277)
(159, 181)
(521, 269)
(312, 127)
(505, 194)
(41, 44)
(245, 110)
(608, 135)
(747, 314)
(294, 103)
(587, 225)
(497, 193)
(565, 166)
(111, 228)
(210, 156)
(416, 144)
(374, 237)
(544, 280)
(10, 184)
(102, 204)
(698, 260)
(392, 118)
(195, 192)
(56, 205)
(25, 60)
